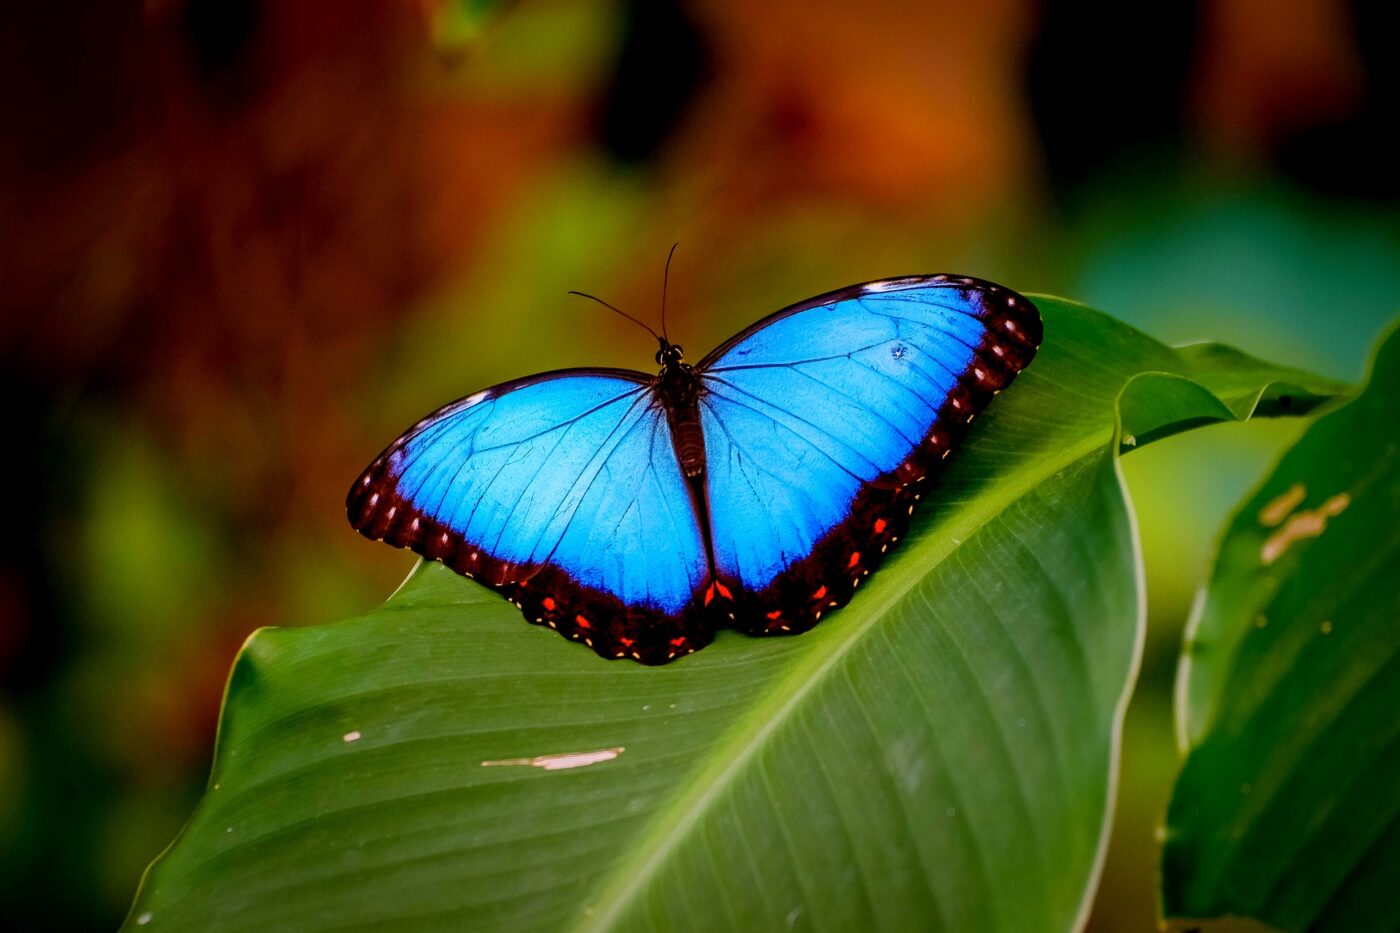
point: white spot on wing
(888, 285)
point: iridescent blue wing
(563, 491)
(822, 420)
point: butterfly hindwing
(563, 491)
(822, 420)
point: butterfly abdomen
(689, 442)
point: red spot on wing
(776, 614)
(855, 559)
(820, 593)
(716, 587)
(678, 642)
(549, 604)
(880, 524)
(582, 622)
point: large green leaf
(941, 752)
(1288, 806)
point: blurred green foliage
(1287, 803)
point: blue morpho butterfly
(638, 513)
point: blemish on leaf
(351, 736)
(1326, 627)
(561, 761)
(1305, 524)
(1273, 514)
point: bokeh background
(243, 243)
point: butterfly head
(670, 354)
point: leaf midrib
(630, 877)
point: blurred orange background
(244, 243)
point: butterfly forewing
(564, 492)
(823, 421)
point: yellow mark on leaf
(561, 761)
(1273, 514)
(1306, 524)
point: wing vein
(790, 430)
(573, 513)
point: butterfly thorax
(678, 387)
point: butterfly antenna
(619, 311)
(666, 281)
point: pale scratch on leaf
(561, 761)
(1273, 514)
(1306, 524)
